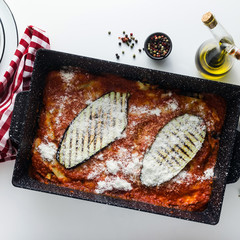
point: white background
(81, 27)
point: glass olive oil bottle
(214, 58)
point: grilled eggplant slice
(175, 145)
(99, 124)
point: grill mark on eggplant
(189, 140)
(174, 158)
(188, 147)
(193, 136)
(167, 160)
(99, 138)
(96, 132)
(172, 151)
(70, 146)
(185, 141)
(115, 105)
(159, 161)
(182, 150)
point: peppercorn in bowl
(158, 46)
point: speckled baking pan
(28, 105)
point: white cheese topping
(97, 170)
(66, 76)
(48, 151)
(184, 176)
(172, 105)
(133, 167)
(144, 110)
(113, 166)
(208, 173)
(113, 183)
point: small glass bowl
(158, 46)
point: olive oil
(214, 58)
(212, 61)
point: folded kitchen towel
(16, 79)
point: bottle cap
(209, 20)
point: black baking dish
(28, 105)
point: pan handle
(18, 117)
(234, 171)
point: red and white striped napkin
(16, 79)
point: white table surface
(81, 27)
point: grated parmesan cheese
(153, 174)
(98, 169)
(47, 151)
(113, 183)
(144, 110)
(208, 173)
(66, 76)
(185, 176)
(133, 168)
(60, 109)
(172, 105)
(113, 166)
(100, 156)
(182, 176)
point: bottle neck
(222, 37)
(217, 30)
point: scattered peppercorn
(128, 40)
(140, 50)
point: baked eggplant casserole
(127, 139)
